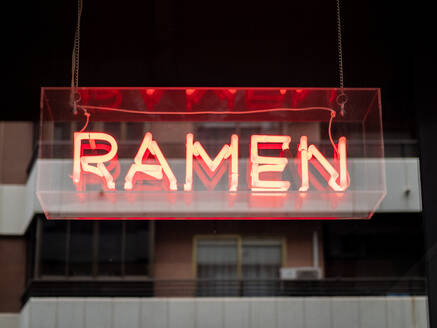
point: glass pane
(261, 262)
(137, 248)
(134, 131)
(214, 256)
(53, 248)
(109, 248)
(259, 254)
(114, 129)
(81, 248)
(217, 267)
(195, 159)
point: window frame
(240, 239)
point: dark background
(210, 43)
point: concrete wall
(9, 320)
(16, 147)
(12, 273)
(311, 312)
(18, 205)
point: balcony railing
(222, 288)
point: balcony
(226, 288)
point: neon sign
(337, 179)
(211, 153)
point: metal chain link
(75, 59)
(340, 46)
(342, 97)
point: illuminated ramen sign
(337, 178)
(211, 153)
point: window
(53, 248)
(80, 248)
(261, 258)
(217, 266)
(109, 249)
(261, 261)
(92, 248)
(136, 249)
(217, 258)
(222, 261)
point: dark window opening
(53, 248)
(91, 249)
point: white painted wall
(284, 312)
(18, 204)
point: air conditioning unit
(301, 273)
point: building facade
(366, 273)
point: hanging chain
(341, 98)
(75, 60)
(340, 46)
